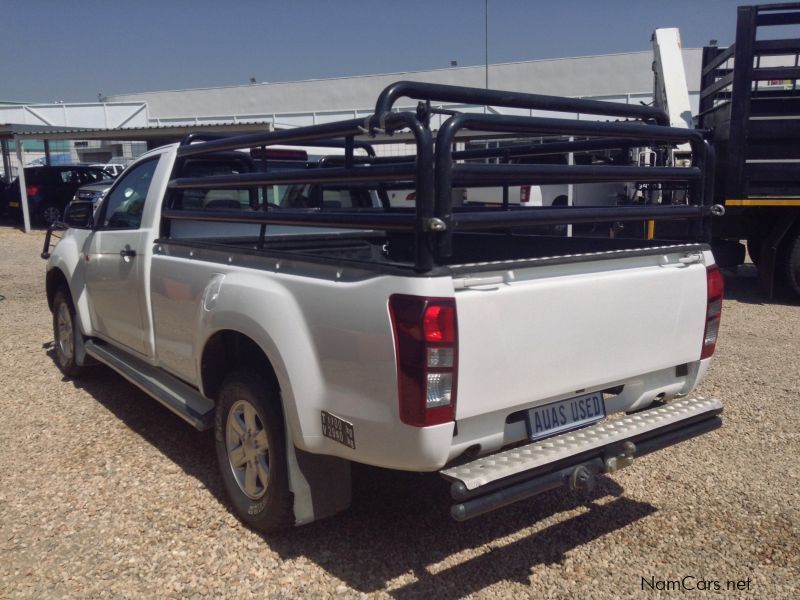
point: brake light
(278, 153)
(524, 193)
(31, 190)
(438, 323)
(426, 349)
(716, 289)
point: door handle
(127, 253)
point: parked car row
(51, 188)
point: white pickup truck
(283, 302)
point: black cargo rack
(434, 170)
(750, 99)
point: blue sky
(74, 50)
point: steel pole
(23, 188)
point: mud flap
(321, 484)
(82, 358)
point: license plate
(338, 429)
(557, 417)
(13, 204)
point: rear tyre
(791, 262)
(65, 334)
(50, 214)
(251, 451)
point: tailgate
(572, 324)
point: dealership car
(113, 168)
(93, 192)
(50, 189)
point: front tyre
(65, 334)
(251, 451)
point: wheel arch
(227, 350)
(54, 280)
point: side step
(576, 457)
(183, 400)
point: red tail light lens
(439, 323)
(426, 348)
(31, 190)
(524, 193)
(716, 289)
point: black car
(50, 189)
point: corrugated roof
(47, 132)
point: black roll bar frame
(433, 170)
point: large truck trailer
(750, 107)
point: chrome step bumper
(576, 457)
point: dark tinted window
(33, 176)
(71, 176)
(216, 199)
(92, 176)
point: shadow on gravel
(399, 523)
(742, 286)
(12, 223)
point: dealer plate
(557, 417)
(338, 429)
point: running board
(183, 400)
(576, 457)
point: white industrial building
(106, 130)
(624, 77)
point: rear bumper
(575, 458)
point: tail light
(524, 193)
(426, 348)
(31, 190)
(716, 289)
(278, 153)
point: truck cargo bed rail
(437, 167)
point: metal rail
(431, 92)
(699, 177)
(731, 98)
(434, 173)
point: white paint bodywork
(671, 90)
(527, 336)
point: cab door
(115, 261)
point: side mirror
(79, 214)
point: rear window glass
(255, 199)
(72, 176)
(34, 176)
(93, 176)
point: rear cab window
(260, 198)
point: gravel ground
(105, 493)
